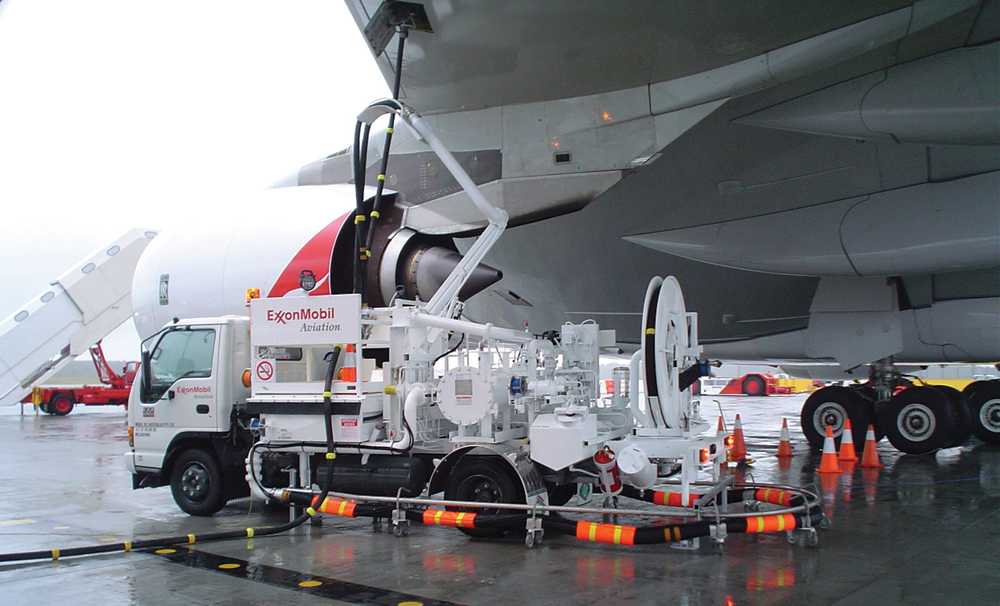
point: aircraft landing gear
(917, 420)
(833, 406)
(984, 405)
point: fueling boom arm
(80, 308)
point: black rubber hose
(377, 206)
(360, 161)
(687, 377)
(189, 539)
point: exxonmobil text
(282, 317)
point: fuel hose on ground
(590, 531)
(190, 539)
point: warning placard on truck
(319, 320)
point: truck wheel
(196, 483)
(754, 386)
(963, 418)
(61, 405)
(919, 420)
(833, 406)
(984, 404)
(486, 480)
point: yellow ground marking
(310, 583)
(16, 522)
(165, 551)
(228, 566)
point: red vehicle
(753, 384)
(113, 390)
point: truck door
(182, 394)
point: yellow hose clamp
(358, 219)
(190, 539)
(327, 394)
(311, 512)
(388, 131)
(55, 554)
(389, 390)
(331, 456)
(249, 533)
(375, 214)
(650, 331)
(127, 545)
(381, 177)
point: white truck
(424, 402)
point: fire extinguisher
(607, 467)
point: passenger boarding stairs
(79, 309)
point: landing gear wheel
(963, 417)
(919, 420)
(196, 483)
(60, 406)
(754, 386)
(869, 395)
(832, 406)
(486, 480)
(984, 404)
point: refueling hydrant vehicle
(397, 403)
(422, 401)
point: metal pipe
(810, 500)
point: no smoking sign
(265, 370)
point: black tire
(485, 479)
(963, 417)
(919, 420)
(60, 405)
(984, 406)
(196, 483)
(832, 406)
(868, 394)
(754, 385)
(560, 495)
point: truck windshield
(181, 354)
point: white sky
(140, 113)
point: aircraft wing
(488, 54)
(808, 152)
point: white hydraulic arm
(79, 309)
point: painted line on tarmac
(310, 584)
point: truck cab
(183, 413)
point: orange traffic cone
(739, 450)
(829, 464)
(722, 428)
(349, 371)
(785, 445)
(870, 456)
(847, 443)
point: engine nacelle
(205, 269)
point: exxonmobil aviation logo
(282, 317)
(186, 390)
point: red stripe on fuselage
(314, 256)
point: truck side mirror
(146, 384)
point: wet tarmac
(921, 530)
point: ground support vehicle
(751, 384)
(113, 390)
